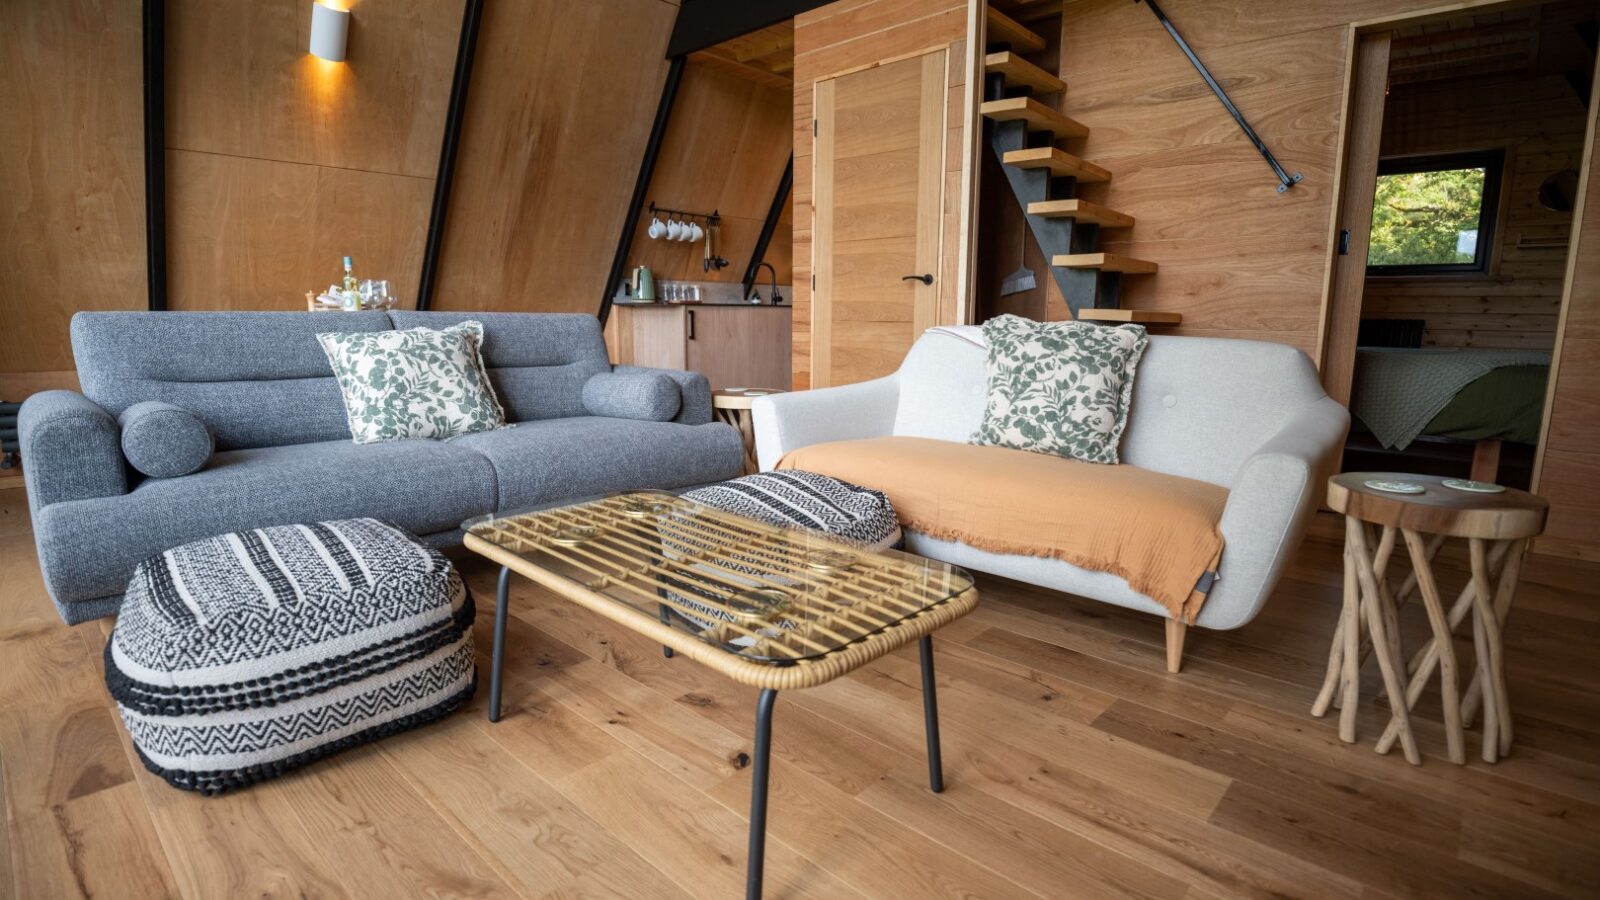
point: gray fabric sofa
(262, 385)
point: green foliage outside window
(1426, 218)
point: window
(1434, 215)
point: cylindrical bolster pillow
(164, 441)
(650, 396)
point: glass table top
(762, 592)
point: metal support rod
(497, 659)
(155, 159)
(930, 717)
(1285, 180)
(774, 213)
(756, 860)
(471, 16)
(666, 619)
(641, 184)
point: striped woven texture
(239, 657)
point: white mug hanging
(657, 229)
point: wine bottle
(352, 297)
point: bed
(1437, 405)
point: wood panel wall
(1539, 121)
(279, 163)
(852, 34)
(724, 150)
(1569, 468)
(1237, 258)
(71, 179)
(563, 96)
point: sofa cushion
(560, 459)
(416, 383)
(1161, 533)
(1059, 387)
(647, 396)
(538, 364)
(87, 548)
(258, 379)
(164, 441)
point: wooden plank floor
(1076, 768)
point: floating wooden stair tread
(1105, 262)
(1134, 316)
(1060, 163)
(1038, 116)
(1082, 210)
(1020, 72)
(1005, 30)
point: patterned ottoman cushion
(239, 657)
(788, 499)
(798, 499)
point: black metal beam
(471, 17)
(1285, 180)
(154, 18)
(705, 23)
(641, 184)
(774, 213)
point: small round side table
(732, 406)
(1497, 527)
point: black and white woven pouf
(797, 499)
(791, 498)
(240, 657)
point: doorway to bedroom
(1466, 138)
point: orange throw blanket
(1158, 532)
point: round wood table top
(740, 398)
(1507, 515)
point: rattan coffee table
(772, 607)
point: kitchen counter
(638, 303)
(730, 347)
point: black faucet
(756, 292)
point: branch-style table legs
(1369, 622)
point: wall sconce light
(329, 27)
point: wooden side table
(733, 407)
(1497, 527)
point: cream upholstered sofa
(1249, 416)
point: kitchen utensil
(644, 284)
(657, 229)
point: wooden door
(878, 193)
(1369, 80)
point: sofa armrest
(696, 407)
(1274, 493)
(71, 449)
(785, 422)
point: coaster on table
(756, 393)
(1394, 487)
(1474, 487)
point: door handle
(691, 323)
(925, 279)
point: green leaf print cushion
(1059, 387)
(419, 383)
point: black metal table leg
(758, 795)
(500, 603)
(666, 619)
(930, 716)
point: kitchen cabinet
(742, 345)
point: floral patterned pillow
(1059, 387)
(419, 383)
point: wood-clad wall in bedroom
(1569, 467)
(1539, 122)
(563, 96)
(71, 179)
(854, 34)
(279, 163)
